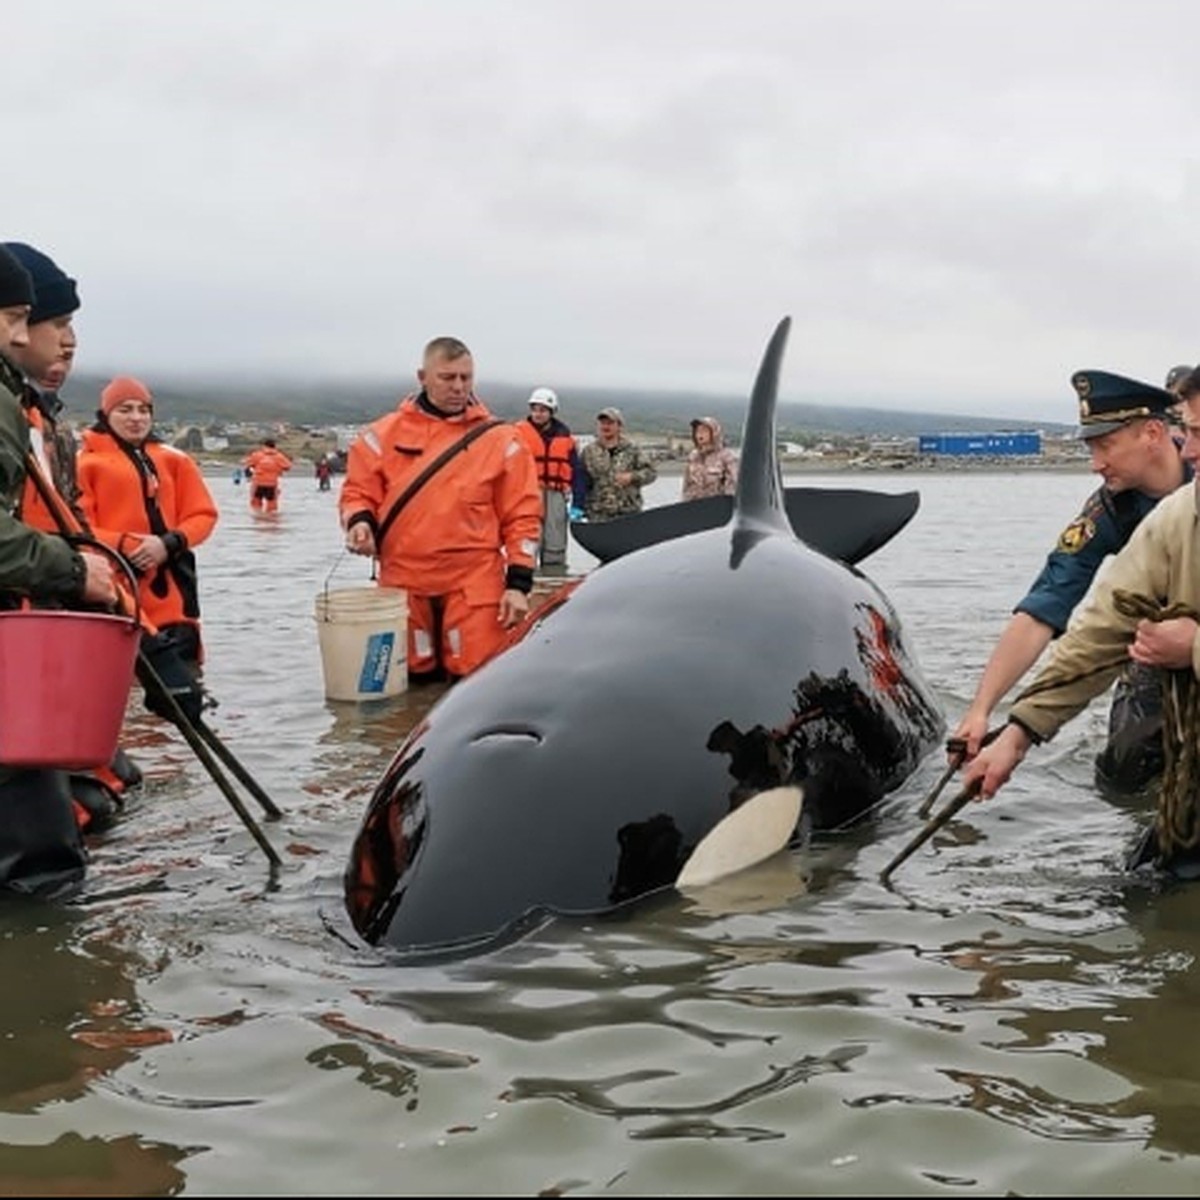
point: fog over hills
(339, 403)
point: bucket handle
(337, 562)
(82, 539)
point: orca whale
(580, 769)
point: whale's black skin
(578, 769)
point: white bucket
(363, 633)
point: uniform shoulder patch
(1077, 535)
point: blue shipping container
(1010, 445)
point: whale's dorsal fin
(758, 505)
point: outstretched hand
(993, 766)
(964, 743)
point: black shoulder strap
(424, 477)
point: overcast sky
(958, 203)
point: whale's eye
(509, 732)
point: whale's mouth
(508, 733)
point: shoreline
(218, 460)
(809, 466)
(673, 468)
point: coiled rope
(1177, 822)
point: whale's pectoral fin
(844, 523)
(754, 831)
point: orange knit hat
(123, 388)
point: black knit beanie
(54, 290)
(16, 288)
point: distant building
(998, 445)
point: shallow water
(1012, 1015)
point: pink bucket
(64, 684)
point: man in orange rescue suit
(266, 464)
(447, 498)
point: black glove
(165, 655)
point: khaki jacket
(1160, 562)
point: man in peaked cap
(1129, 429)
(1160, 566)
(1108, 402)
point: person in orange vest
(463, 541)
(148, 501)
(559, 474)
(46, 360)
(41, 846)
(266, 465)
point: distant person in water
(265, 466)
(1129, 428)
(324, 474)
(615, 470)
(711, 468)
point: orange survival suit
(129, 493)
(266, 464)
(470, 532)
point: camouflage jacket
(65, 446)
(605, 498)
(40, 565)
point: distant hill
(665, 412)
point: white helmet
(545, 397)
